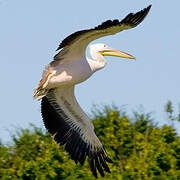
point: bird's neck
(98, 61)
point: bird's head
(105, 50)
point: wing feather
(70, 126)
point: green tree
(139, 150)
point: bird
(63, 117)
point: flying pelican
(66, 122)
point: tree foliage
(139, 150)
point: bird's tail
(42, 89)
(40, 92)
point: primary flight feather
(63, 117)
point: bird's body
(66, 75)
(74, 71)
(63, 117)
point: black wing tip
(133, 19)
(126, 20)
(98, 162)
(108, 160)
(147, 9)
(144, 12)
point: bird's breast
(71, 73)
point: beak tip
(133, 58)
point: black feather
(99, 166)
(92, 164)
(103, 162)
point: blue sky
(32, 30)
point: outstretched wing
(70, 126)
(81, 39)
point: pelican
(66, 122)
